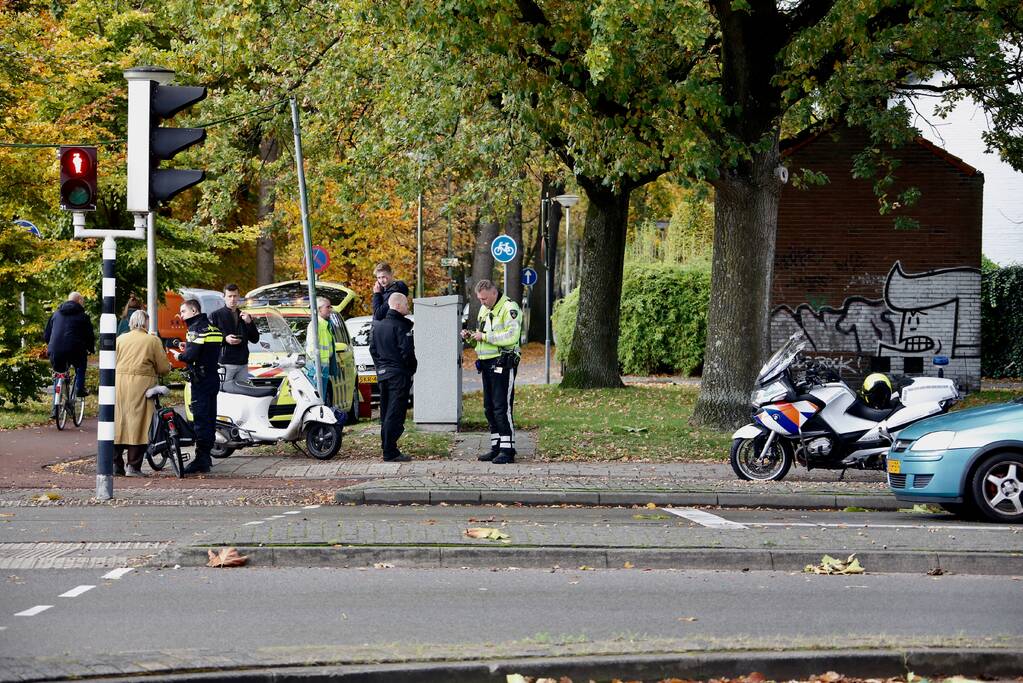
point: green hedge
(663, 319)
(1002, 322)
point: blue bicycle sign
(504, 249)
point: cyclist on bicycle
(70, 339)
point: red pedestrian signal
(78, 183)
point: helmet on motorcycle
(876, 390)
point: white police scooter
(243, 409)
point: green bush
(1002, 322)
(663, 319)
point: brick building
(868, 296)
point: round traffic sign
(529, 277)
(321, 259)
(504, 248)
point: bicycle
(168, 432)
(66, 400)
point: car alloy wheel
(998, 487)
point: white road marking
(115, 574)
(32, 611)
(274, 517)
(252, 523)
(848, 525)
(76, 591)
(704, 518)
(293, 512)
(310, 507)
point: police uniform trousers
(394, 393)
(204, 414)
(498, 402)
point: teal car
(969, 462)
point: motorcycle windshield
(783, 357)
(282, 339)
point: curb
(973, 663)
(500, 557)
(802, 501)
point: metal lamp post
(567, 201)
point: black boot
(504, 457)
(486, 457)
(201, 464)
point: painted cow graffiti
(925, 314)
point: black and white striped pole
(107, 369)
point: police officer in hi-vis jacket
(496, 340)
(201, 351)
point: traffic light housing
(78, 180)
(149, 104)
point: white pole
(568, 237)
(548, 280)
(151, 294)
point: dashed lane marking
(855, 525)
(310, 507)
(293, 512)
(76, 591)
(704, 518)
(32, 611)
(252, 523)
(117, 573)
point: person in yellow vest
(327, 352)
(496, 340)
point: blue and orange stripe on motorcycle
(786, 417)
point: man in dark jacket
(70, 339)
(383, 288)
(239, 331)
(394, 354)
(201, 351)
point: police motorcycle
(817, 421)
(243, 409)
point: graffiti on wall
(933, 313)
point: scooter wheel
(323, 441)
(219, 450)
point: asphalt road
(245, 611)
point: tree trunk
(513, 228)
(482, 264)
(537, 294)
(745, 223)
(593, 358)
(269, 152)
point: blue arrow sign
(529, 277)
(321, 259)
(504, 249)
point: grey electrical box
(437, 388)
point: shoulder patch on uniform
(514, 313)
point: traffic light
(78, 187)
(149, 104)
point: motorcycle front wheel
(323, 440)
(748, 465)
(219, 448)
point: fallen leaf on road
(831, 565)
(755, 677)
(227, 557)
(687, 618)
(628, 565)
(488, 533)
(829, 677)
(854, 508)
(652, 506)
(515, 678)
(49, 495)
(921, 509)
(382, 565)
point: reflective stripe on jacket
(501, 328)
(325, 339)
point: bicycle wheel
(76, 403)
(157, 461)
(62, 409)
(176, 458)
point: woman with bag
(140, 361)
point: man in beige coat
(141, 359)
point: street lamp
(567, 201)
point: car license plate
(368, 379)
(894, 467)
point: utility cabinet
(437, 388)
